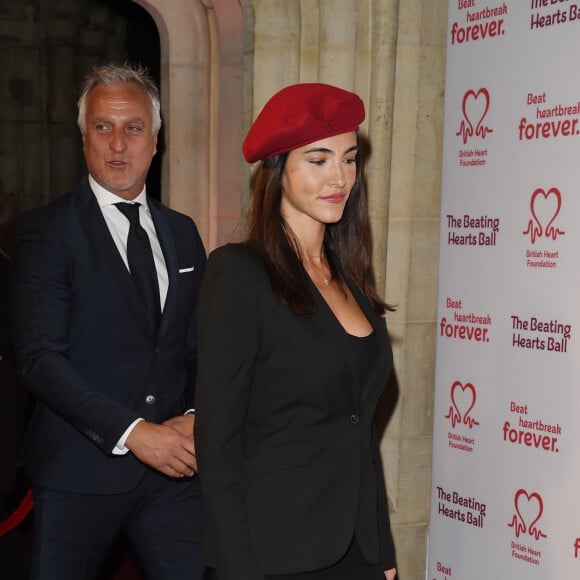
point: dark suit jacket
(83, 346)
(287, 450)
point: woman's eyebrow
(325, 150)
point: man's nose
(118, 141)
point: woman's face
(317, 180)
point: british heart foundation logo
(526, 525)
(529, 508)
(545, 206)
(462, 402)
(463, 397)
(475, 106)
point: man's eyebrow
(129, 121)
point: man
(110, 354)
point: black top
(365, 350)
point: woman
(293, 357)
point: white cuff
(120, 448)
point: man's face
(118, 141)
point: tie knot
(130, 211)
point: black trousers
(161, 519)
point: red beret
(301, 114)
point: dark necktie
(141, 263)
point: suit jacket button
(354, 419)
(150, 399)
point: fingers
(178, 470)
(183, 424)
(163, 448)
(184, 463)
(179, 465)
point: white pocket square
(184, 270)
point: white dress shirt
(118, 225)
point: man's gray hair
(112, 75)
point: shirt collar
(105, 197)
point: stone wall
(392, 53)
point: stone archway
(204, 92)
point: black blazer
(287, 449)
(83, 346)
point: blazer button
(150, 399)
(354, 419)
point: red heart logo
(463, 398)
(475, 107)
(545, 207)
(529, 508)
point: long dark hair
(347, 243)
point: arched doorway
(206, 52)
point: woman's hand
(390, 574)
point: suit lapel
(93, 222)
(167, 243)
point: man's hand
(164, 448)
(182, 423)
(390, 574)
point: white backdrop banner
(505, 497)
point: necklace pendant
(325, 281)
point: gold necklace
(325, 281)
(318, 259)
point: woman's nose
(338, 179)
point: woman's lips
(334, 198)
